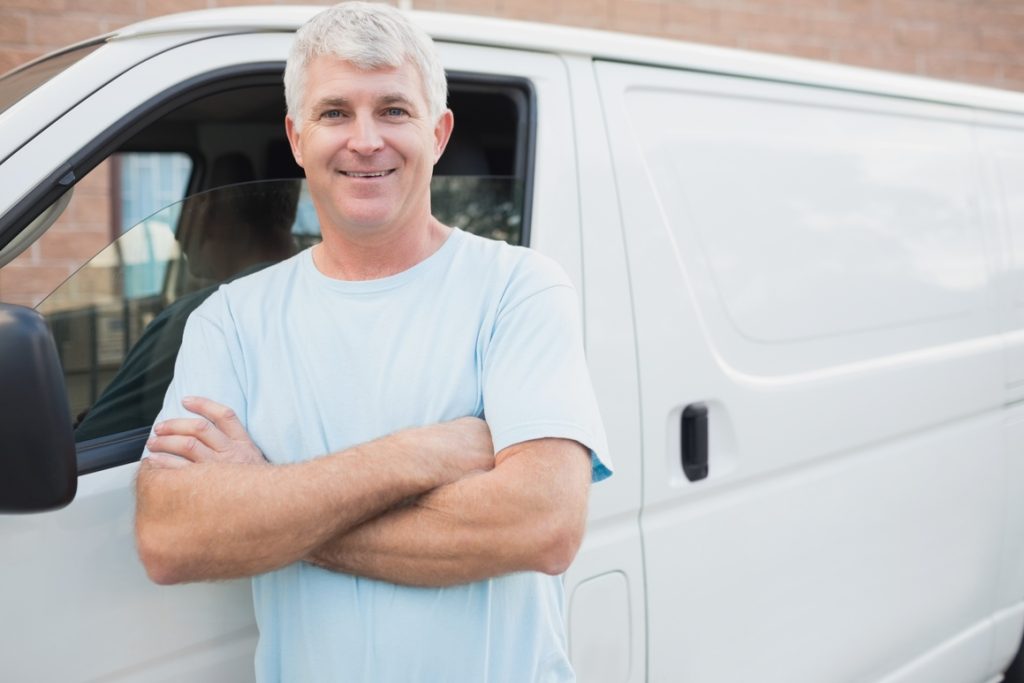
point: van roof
(608, 45)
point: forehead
(334, 78)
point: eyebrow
(396, 98)
(385, 100)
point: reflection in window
(118, 349)
(150, 181)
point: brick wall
(82, 230)
(977, 41)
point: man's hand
(215, 436)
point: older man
(334, 461)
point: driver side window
(203, 195)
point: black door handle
(695, 441)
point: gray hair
(370, 36)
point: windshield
(14, 85)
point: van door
(1001, 143)
(815, 322)
(81, 582)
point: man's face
(368, 145)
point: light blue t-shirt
(313, 365)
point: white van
(803, 291)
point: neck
(371, 256)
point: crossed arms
(430, 506)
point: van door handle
(694, 441)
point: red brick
(859, 9)
(747, 23)
(999, 39)
(87, 209)
(158, 8)
(32, 280)
(583, 13)
(950, 11)
(58, 31)
(125, 8)
(314, 2)
(13, 27)
(76, 247)
(26, 300)
(636, 16)
(531, 10)
(35, 5)
(485, 7)
(699, 17)
(238, 3)
(11, 58)
(917, 35)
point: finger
(198, 427)
(186, 446)
(220, 415)
(165, 461)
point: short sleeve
(209, 363)
(536, 382)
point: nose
(365, 138)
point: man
(410, 552)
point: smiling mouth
(367, 174)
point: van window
(118, 342)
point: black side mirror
(38, 469)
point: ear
(293, 139)
(443, 132)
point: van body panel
(849, 532)
(86, 596)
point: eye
(330, 114)
(395, 111)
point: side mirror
(38, 468)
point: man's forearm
(527, 514)
(214, 520)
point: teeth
(377, 174)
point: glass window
(117, 348)
(125, 187)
